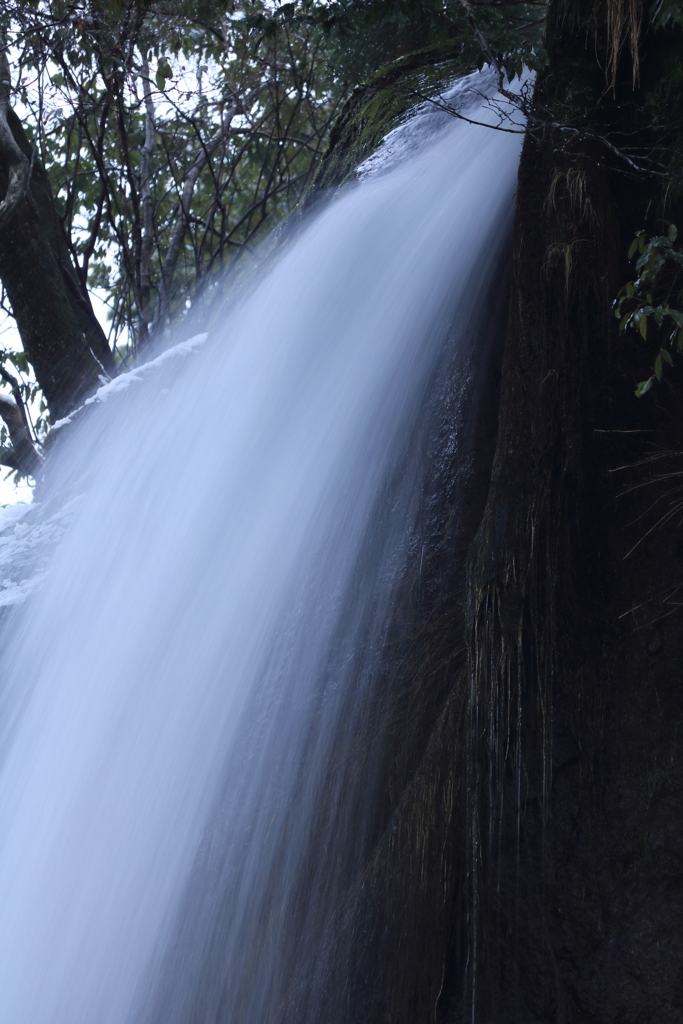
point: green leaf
(666, 356)
(642, 326)
(632, 248)
(658, 367)
(19, 360)
(644, 387)
(672, 232)
(163, 73)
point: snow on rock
(28, 535)
(127, 380)
(29, 532)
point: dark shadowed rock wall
(527, 864)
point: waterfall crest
(212, 619)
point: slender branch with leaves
(652, 303)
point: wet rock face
(580, 903)
(530, 856)
(616, 917)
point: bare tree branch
(181, 224)
(27, 458)
(488, 52)
(147, 240)
(16, 392)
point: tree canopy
(158, 141)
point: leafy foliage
(172, 134)
(653, 302)
(175, 133)
(365, 34)
(667, 13)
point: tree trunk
(59, 331)
(574, 901)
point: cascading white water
(221, 560)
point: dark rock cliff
(528, 867)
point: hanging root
(624, 22)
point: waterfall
(180, 696)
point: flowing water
(180, 696)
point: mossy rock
(380, 105)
